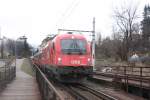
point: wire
(70, 9)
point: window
(72, 46)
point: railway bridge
(24, 84)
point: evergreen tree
(146, 27)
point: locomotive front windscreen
(73, 46)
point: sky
(37, 18)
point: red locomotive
(67, 57)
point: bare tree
(117, 44)
(125, 19)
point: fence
(7, 73)
(139, 76)
(46, 88)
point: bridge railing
(7, 73)
(141, 75)
(46, 88)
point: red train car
(67, 57)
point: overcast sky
(38, 18)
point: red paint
(52, 53)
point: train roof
(46, 41)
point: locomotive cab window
(73, 46)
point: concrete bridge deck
(23, 87)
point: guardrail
(46, 88)
(137, 75)
(7, 73)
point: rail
(70, 89)
(99, 93)
(7, 73)
(46, 88)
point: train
(66, 57)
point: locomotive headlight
(59, 60)
(88, 59)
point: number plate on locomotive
(75, 61)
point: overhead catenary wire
(66, 14)
(68, 11)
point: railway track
(99, 94)
(82, 92)
(58, 91)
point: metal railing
(140, 75)
(7, 73)
(47, 90)
(136, 75)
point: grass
(27, 67)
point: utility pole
(93, 44)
